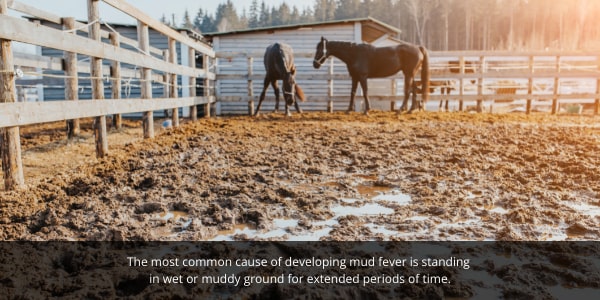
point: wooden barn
(240, 70)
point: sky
(154, 8)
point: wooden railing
(153, 64)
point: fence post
(206, 66)
(97, 83)
(10, 140)
(174, 90)
(330, 87)
(192, 82)
(597, 100)
(480, 84)
(167, 80)
(556, 87)
(530, 85)
(461, 89)
(394, 87)
(146, 82)
(250, 88)
(115, 74)
(71, 80)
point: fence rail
(145, 63)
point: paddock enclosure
(524, 169)
(318, 175)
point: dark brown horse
(366, 61)
(279, 64)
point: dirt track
(426, 176)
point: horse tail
(300, 93)
(425, 74)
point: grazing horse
(279, 64)
(366, 61)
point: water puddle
(584, 208)
(498, 210)
(181, 219)
(395, 198)
(289, 230)
(251, 231)
(365, 210)
(379, 229)
(173, 215)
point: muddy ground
(316, 176)
(319, 176)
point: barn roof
(372, 29)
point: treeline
(437, 24)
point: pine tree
(253, 20)
(187, 21)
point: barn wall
(301, 40)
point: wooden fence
(153, 65)
(533, 80)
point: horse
(366, 61)
(279, 64)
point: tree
(324, 10)
(420, 12)
(348, 9)
(253, 20)
(281, 16)
(226, 17)
(164, 20)
(265, 15)
(187, 21)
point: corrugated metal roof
(373, 23)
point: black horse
(366, 61)
(279, 64)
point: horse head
(291, 89)
(321, 55)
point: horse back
(383, 62)
(278, 60)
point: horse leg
(415, 104)
(287, 110)
(352, 94)
(262, 95)
(297, 106)
(276, 88)
(363, 86)
(447, 93)
(407, 86)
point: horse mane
(350, 45)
